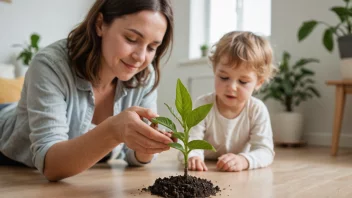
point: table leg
(339, 107)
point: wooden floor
(308, 172)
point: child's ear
(99, 24)
(259, 84)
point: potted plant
(204, 49)
(343, 32)
(291, 86)
(27, 53)
(184, 186)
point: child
(238, 125)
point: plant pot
(287, 127)
(204, 53)
(20, 69)
(345, 49)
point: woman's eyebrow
(141, 35)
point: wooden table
(343, 87)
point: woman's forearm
(73, 156)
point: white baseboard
(324, 139)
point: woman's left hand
(232, 163)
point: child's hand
(197, 164)
(232, 163)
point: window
(220, 16)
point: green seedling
(188, 118)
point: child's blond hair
(245, 48)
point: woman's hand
(232, 163)
(136, 134)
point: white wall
(53, 20)
(287, 16)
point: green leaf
(306, 28)
(307, 72)
(304, 61)
(179, 135)
(287, 87)
(200, 144)
(34, 41)
(175, 114)
(165, 122)
(314, 91)
(307, 81)
(198, 115)
(285, 59)
(183, 100)
(297, 102)
(341, 12)
(177, 146)
(328, 39)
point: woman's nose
(139, 55)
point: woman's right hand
(136, 134)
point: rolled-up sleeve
(47, 108)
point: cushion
(10, 90)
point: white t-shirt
(249, 134)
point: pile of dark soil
(181, 187)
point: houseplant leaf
(284, 64)
(307, 72)
(200, 144)
(175, 114)
(179, 135)
(183, 101)
(287, 87)
(177, 146)
(304, 61)
(198, 115)
(306, 28)
(328, 39)
(165, 122)
(341, 12)
(34, 41)
(314, 91)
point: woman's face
(129, 43)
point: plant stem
(186, 151)
(288, 103)
(186, 166)
(349, 24)
(337, 28)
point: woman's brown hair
(84, 45)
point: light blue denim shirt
(57, 105)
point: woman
(104, 74)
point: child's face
(234, 86)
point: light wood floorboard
(306, 172)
